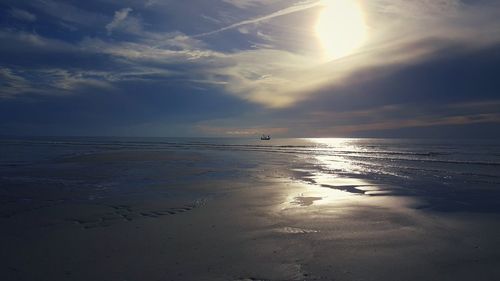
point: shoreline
(210, 216)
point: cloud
(50, 81)
(165, 52)
(11, 83)
(238, 131)
(22, 15)
(244, 4)
(280, 76)
(390, 117)
(150, 3)
(118, 19)
(71, 80)
(298, 7)
(66, 12)
(292, 69)
(158, 59)
(283, 75)
(407, 123)
(419, 9)
(14, 40)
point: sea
(446, 175)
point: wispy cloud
(281, 75)
(291, 76)
(118, 19)
(50, 81)
(11, 83)
(273, 67)
(239, 131)
(63, 11)
(244, 4)
(398, 116)
(395, 124)
(418, 8)
(22, 15)
(283, 12)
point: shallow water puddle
(305, 201)
(295, 230)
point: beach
(209, 209)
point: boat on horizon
(264, 137)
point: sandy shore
(271, 226)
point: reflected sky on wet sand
(285, 209)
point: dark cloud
(133, 109)
(449, 76)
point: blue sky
(245, 67)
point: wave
(312, 149)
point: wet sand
(271, 223)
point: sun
(340, 28)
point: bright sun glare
(340, 28)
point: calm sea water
(450, 175)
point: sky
(241, 68)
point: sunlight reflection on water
(335, 181)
